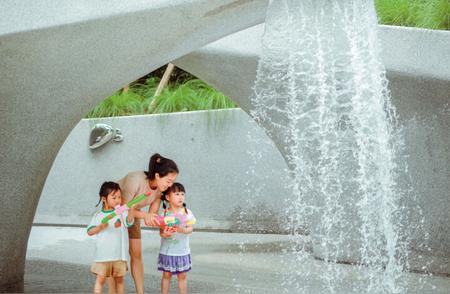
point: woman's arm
(137, 213)
(150, 217)
(154, 207)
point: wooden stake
(165, 79)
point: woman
(162, 173)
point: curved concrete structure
(417, 63)
(59, 60)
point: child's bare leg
(99, 282)
(120, 285)
(165, 282)
(111, 285)
(182, 283)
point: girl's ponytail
(152, 164)
(163, 200)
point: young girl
(111, 248)
(175, 254)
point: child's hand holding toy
(174, 220)
(119, 209)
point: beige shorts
(116, 268)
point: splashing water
(321, 94)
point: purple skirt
(174, 264)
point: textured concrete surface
(417, 66)
(227, 163)
(58, 61)
(58, 260)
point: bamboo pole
(165, 79)
(162, 84)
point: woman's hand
(150, 220)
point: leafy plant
(176, 99)
(119, 104)
(397, 12)
(147, 89)
(192, 95)
(430, 14)
(208, 97)
(435, 15)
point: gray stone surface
(417, 63)
(227, 164)
(58, 61)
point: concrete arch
(59, 61)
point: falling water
(321, 93)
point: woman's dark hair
(176, 187)
(106, 189)
(161, 166)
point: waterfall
(321, 91)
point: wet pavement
(59, 258)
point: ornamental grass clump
(119, 104)
(429, 14)
(435, 15)
(398, 12)
(191, 95)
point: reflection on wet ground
(59, 258)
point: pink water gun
(119, 209)
(174, 220)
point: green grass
(436, 15)
(429, 14)
(119, 104)
(192, 95)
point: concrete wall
(424, 111)
(227, 164)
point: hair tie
(158, 160)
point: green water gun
(119, 209)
